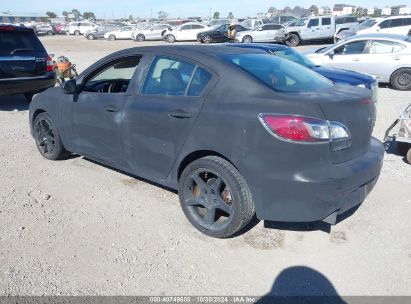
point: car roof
(396, 17)
(259, 46)
(380, 36)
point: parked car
(264, 33)
(174, 116)
(79, 28)
(186, 32)
(338, 76)
(44, 29)
(25, 66)
(400, 25)
(59, 28)
(98, 32)
(124, 32)
(218, 33)
(155, 32)
(318, 28)
(254, 23)
(344, 34)
(283, 19)
(215, 22)
(387, 57)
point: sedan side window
(352, 48)
(200, 80)
(385, 24)
(326, 21)
(114, 78)
(313, 22)
(168, 77)
(385, 47)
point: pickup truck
(317, 28)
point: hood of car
(344, 76)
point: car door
(159, 118)
(327, 31)
(267, 33)
(312, 31)
(195, 30)
(184, 32)
(125, 32)
(220, 34)
(94, 116)
(382, 59)
(349, 56)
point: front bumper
(320, 191)
(27, 84)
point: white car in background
(186, 32)
(153, 33)
(399, 25)
(79, 28)
(387, 57)
(264, 33)
(124, 32)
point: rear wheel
(170, 38)
(111, 37)
(401, 79)
(408, 157)
(247, 39)
(215, 197)
(140, 38)
(293, 40)
(50, 33)
(90, 37)
(47, 137)
(76, 33)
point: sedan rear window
(280, 74)
(19, 42)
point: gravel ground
(74, 227)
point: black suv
(25, 66)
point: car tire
(402, 148)
(140, 38)
(210, 187)
(68, 33)
(112, 37)
(50, 33)
(401, 79)
(77, 33)
(48, 140)
(247, 39)
(293, 40)
(170, 38)
(408, 156)
(90, 37)
(206, 39)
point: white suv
(400, 25)
(79, 28)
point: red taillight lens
(296, 128)
(50, 64)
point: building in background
(374, 11)
(324, 10)
(386, 11)
(343, 9)
(21, 18)
(405, 10)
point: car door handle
(396, 58)
(179, 114)
(356, 59)
(111, 109)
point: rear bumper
(27, 84)
(320, 191)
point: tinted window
(199, 82)
(396, 22)
(186, 27)
(352, 48)
(313, 22)
(196, 26)
(385, 47)
(19, 43)
(385, 24)
(350, 19)
(407, 21)
(168, 77)
(295, 56)
(326, 21)
(113, 78)
(279, 74)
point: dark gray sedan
(98, 33)
(237, 131)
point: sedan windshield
(279, 74)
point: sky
(176, 8)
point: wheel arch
(193, 156)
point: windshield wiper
(20, 50)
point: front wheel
(401, 79)
(90, 37)
(215, 197)
(247, 39)
(206, 39)
(140, 38)
(111, 37)
(47, 137)
(77, 33)
(293, 40)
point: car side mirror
(377, 28)
(331, 54)
(69, 86)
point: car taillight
(50, 64)
(303, 129)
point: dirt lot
(75, 227)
